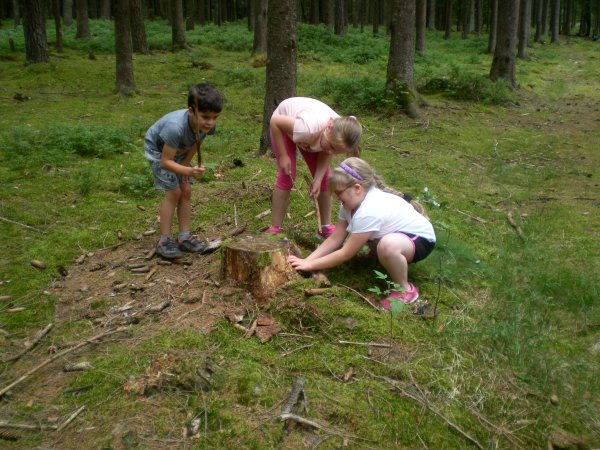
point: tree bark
(448, 19)
(503, 65)
(421, 21)
(493, 26)
(16, 13)
(260, 26)
(57, 25)
(554, 21)
(105, 10)
(34, 29)
(125, 83)
(339, 18)
(524, 29)
(280, 82)
(177, 31)
(538, 21)
(67, 13)
(431, 15)
(465, 17)
(400, 84)
(189, 15)
(139, 42)
(83, 24)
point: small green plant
(396, 306)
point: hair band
(353, 118)
(350, 171)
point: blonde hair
(348, 130)
(355, 170)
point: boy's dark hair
(205, 97)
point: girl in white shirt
(373, 214)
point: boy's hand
(196, 172)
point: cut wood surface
(258, 262)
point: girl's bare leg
(280, 202)
(324, 200)
(395, 251)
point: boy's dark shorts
(166, 180)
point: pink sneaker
(407, 297)
(273, 230)
(327, 230)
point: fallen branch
(296, 394)
(70, 419)
(367, 344)
(423, 401)
(58, 355)
(289, 352)
(316, 202)
(311, 423)
(237, 230)
(29, 227)
(40, 427)
(513, 224)
(38, 337)
(478, 219)
(361, 296)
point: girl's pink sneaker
(327, 230)
(407, 297)
(273, 230)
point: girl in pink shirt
(318, 132)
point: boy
(169, 146)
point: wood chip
(149, 232)
(38, 264)
(264, 334)
(4, 298)
(265, 320)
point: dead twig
(367, 344)
(478, 219)
(59, 355)
(40, 427)
(361, 296)
(424, 402)
(38, 337)
(316, 202)
(70, 419)
(296, 394)
(29, 227)
(289, 352)
(513, 224)
(309, 292)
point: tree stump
(259, 263)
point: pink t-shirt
(311, 118)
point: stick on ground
(38, 337)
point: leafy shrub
(353, 94)
(24, 146)
(470, 86)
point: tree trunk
(280, 79)
(313, 14)
(67, 13)
(177, 31)
(554, 21)
(545, 7)
(339, 18)
(34, 29)
(400, 84)
(448, 20)
(57, 25)
(503, 65)
(189, 15)
(125, 84)
(465, 17)
(16, 13)
(493, 27)
(538, 21)
(524, 28)
(105, 10)
(139, 42)
(260, 26)
(83, 24)
(431, 15)
(375, 12)
(258, 263)
(478, 15)
(421, 21)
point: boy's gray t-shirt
(174, 130)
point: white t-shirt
(311, 118)
(384, 213)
